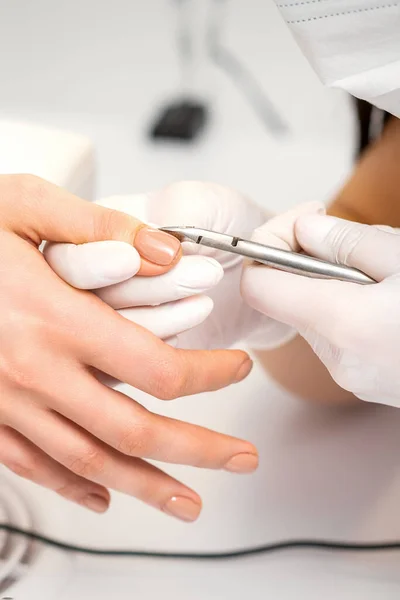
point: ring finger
(25, 459)
(88, 458)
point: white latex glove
(214, 207)
(173, 303)
(100, 265)
(354, 329)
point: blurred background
(97, 75)
(105, 69)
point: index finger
(279, 231)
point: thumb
(47, 212)
(372, 249)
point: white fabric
(62, 157)
(351, 44)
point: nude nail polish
(95, 502)
(156, 246)
(244, 370)
(246, 462)
(182, 508)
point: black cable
(309, 544)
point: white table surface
(102, 69)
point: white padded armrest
(62, 157)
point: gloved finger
(26, 460)
(192, 275)
(257, 282)
(167, 320)
(302, 302)
(280, 230)
(195, 203)
(374, 250)
(93, 265)
(64, 218)
(206, 205)
(137, 206)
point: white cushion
(62, 157)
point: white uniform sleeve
(351, 44)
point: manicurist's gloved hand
(59, 425)
(204, 279)
(166, 305)
(354, 329)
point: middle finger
(87, 457)
(128, 427)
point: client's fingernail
(182, 508)
(95, 502)
(156, 246)
(244, 370)
(242, 463)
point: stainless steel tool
(284, 260)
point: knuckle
(136, 441)
(16, 456)
(172, 381)
(146, 492)
(88, 462)
(25, 469)
(114, 222)
(31, 187)
(23, 189)
(18, 365)
(21, 373)
(345, 239)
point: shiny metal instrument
(284, 260)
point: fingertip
(244, 370)
(158, 248)
(183, 507)
(199, 273)
(96, 503)
(243, 463)
(151, 269)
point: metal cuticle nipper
(284, 260)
